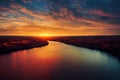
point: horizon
(59, 39)
(57, 35)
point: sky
(59, 17)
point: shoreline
(8, 45)
(103, 44)
(10, 50)
(115, 53)
(109, 45)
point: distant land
(109, 44)
(15, 43)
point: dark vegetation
(109, 44)
(9, 44)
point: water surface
(59, 61)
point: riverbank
(11, 44)
(109, 44)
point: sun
(46, 34)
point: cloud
(88, 9)
(24, 10)
(101, 13)
(27, 1)
(68, 16)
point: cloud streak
(69, 16)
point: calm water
(59, 61)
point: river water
(59, 61)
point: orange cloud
(65, 24)
(7, 10)
(28, 11)
(101, 13)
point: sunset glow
(45, 34)
(59, 39)
(59, 17)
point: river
(59, 61)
